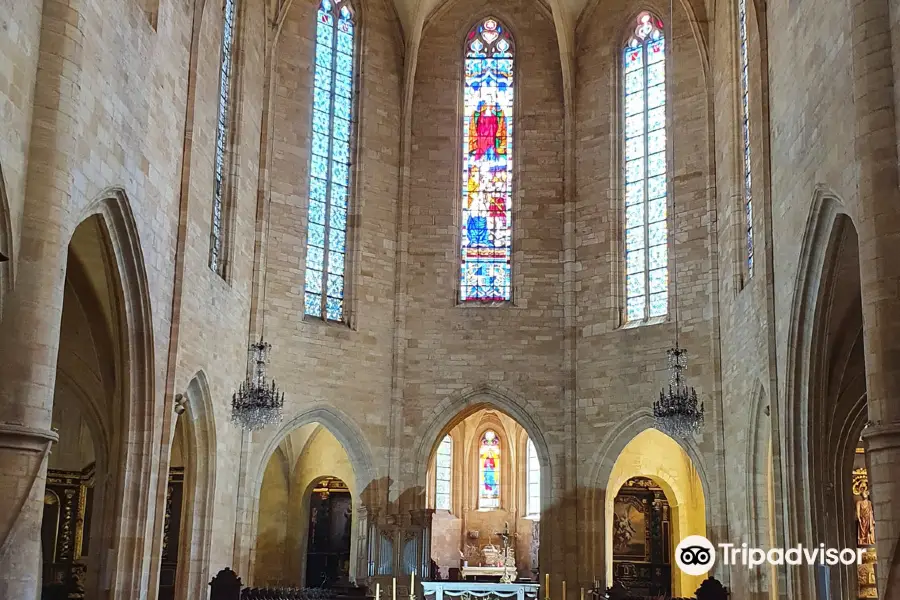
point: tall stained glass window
(443, 473)
(745, 119)
(486, 240)
(533, 479)
(646, 226)
(489, 471)
(329, 170)
(217, 234)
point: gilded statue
(865, 517)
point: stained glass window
(443, 473)
(489, 471)
(745, 120)
(486, 240)
(225, 67)
(329, 170)
(533, 479)
(646, 224)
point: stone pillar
(29, 333)
(878, 227)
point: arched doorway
(654, 468)
(329, 537)
(484, 481)
(306, 529)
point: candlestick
(377, 591)
(394, 597)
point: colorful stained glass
(533, 505)
(216, 240)
(489, 471)
(486, 240)
(745, 117)
(443, 473)
(329, 167)
(645, 172)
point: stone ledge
(22, 437)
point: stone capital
(22, 437)
(882, 437)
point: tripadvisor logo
(696, 555)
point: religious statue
(865, 517)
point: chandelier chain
(258, 403)
(678, 411)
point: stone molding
(22, 437)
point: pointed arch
(620, 435)
(453, 409)
(341, 426)
(200, 484)
(134, 448)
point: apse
(484, 482)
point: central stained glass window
(486, 240)
(329, 169)
(489, 459)
(646, 226)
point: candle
(412, 581)
(395, 589)
(564, 589)
(377, 591)
(582, 593)
(546, 585)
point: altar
(447, 590)
(504, 574)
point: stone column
(29, 333)
(878, 227)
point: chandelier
(257, 403)
(677, 412)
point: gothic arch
(620, 435)
(200, 457)
(453, 409)
(133, 534)
(340, 425)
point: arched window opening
(486, 240)
(219, 220)
(489, 471)
(745, 130)
(443, 474)
(329, 170)
(533, 481)
(645, 172)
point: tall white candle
(412, 582)
(395, 589)
(377, 591)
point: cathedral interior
(463, 298)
